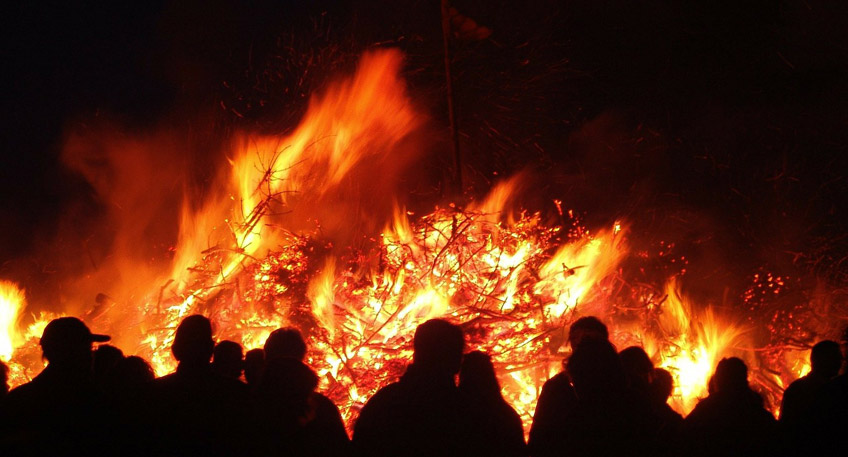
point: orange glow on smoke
(266, 249)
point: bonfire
(287, 237)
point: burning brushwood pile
(280, 241)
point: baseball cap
(69, 331)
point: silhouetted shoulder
(326, 432)
(376, 409)
(376, 417)
(326, 409)
(506, 433)
(194, 385)
(830, 416)
(422, 414)
(556, 400)
(731, 420)
(53, 411)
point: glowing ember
(303, 230)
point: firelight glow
(263, 251)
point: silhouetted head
(587, 328)
(637, 365)
(438, 346)
(4, 379)
(286, 386)
(66, 341)
(193, 342)
(731, 375)
(477, 376)
(131, 373)
(106, 357)
(254, 363)
(227, 359)
(136, 368)
(826, 358)
(286, 342)
(595, 368)
(662, 385)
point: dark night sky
(722, 110)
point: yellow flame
(320, 293)
(694, 341)
(12, 301)
(577, 267)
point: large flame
(11, 304)
(690, 343)
(306, 229)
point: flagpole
(451, 109)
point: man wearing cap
(58, 411)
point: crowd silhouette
(221, 401)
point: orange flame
(265, 249)
(693, 341)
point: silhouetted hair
(477, 375)
(132, 371)
(636, 362)
(227, 359)
(106, 357)
(438, 346)
(826, 358)
(594, 367)
(662, 384)
(286, 342)
(589, 327)
(193, 341)
(731, 374)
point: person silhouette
(227, 359)
(254, 365)
(195, 411)
(557, 397)
(294, 419)
(829, 414)
(662, 385)
(495, 429)
(125, 387)
(4, 380)
(638, 368)
(825, 360)
(285, 342)
(798, 405)
(105, 358)
(609, 417)
(130, 376)
(670, 421)
(59, 408)
(421, 414)
(732, 419)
